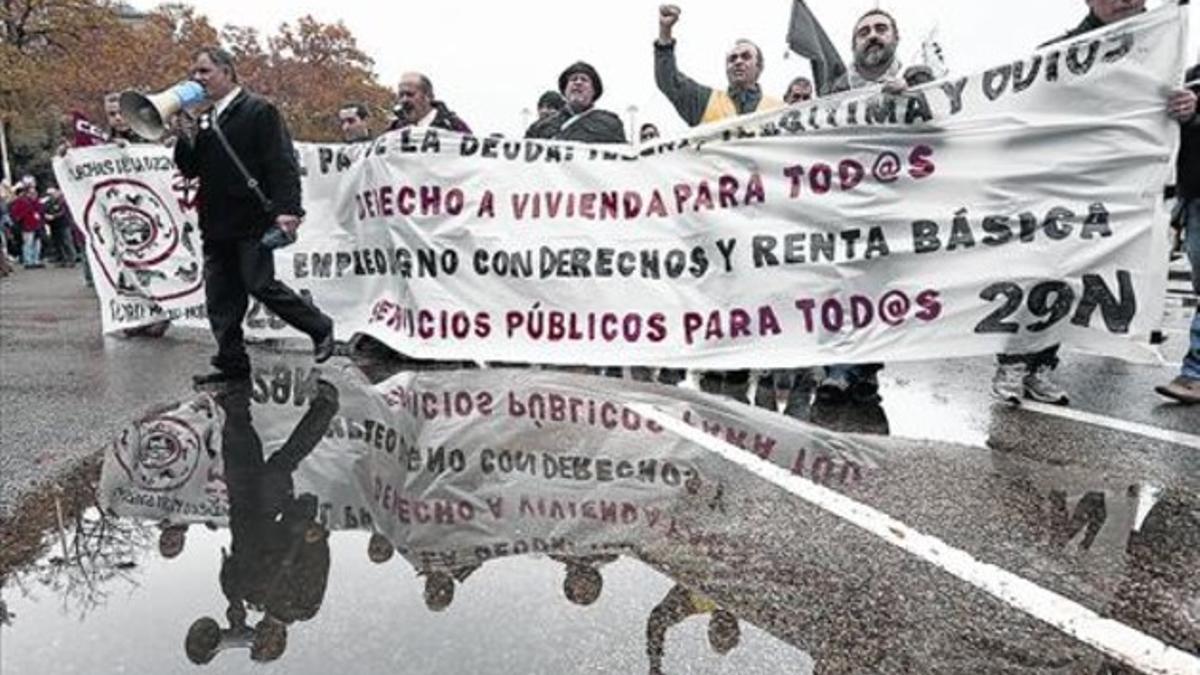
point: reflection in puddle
(319, 488)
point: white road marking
(1177, 437)
(1113, 638)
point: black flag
(807, 38)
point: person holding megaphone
(249, 202)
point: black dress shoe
(220, 377)
(323, 348)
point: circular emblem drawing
(160, 454)
(141, 248)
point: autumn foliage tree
(148, 54)
(63, 55)
(309, 70)
(34, 35)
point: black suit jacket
(257, 133)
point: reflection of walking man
(278, 561)
(233, 216)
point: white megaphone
(148, 114)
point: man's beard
(874, 54)
(579, 103)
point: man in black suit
(233, 216)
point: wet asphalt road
(1108, 518)
(63, 386)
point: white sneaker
(1008, 384)
(1039, 387)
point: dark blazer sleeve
(281, 176)
(309, 431)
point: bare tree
(86, 558)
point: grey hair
(757, 50)
(876, 12)
(221, 58)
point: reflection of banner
(462, 466)
(167, 465)
(559, 463)
(1000, 211)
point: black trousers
(64, 242)
(1047, 358)
(236, 270)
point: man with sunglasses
(800, 90)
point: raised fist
(667, 16)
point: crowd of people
(36, 223)
(36, 227)
(569, 113)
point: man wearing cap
(580, 120)
(696, 103)
(549, 103)
(799, 90)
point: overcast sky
(489, 60)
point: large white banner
(1000, 211)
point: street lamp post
(4, 152)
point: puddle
(517, 521)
